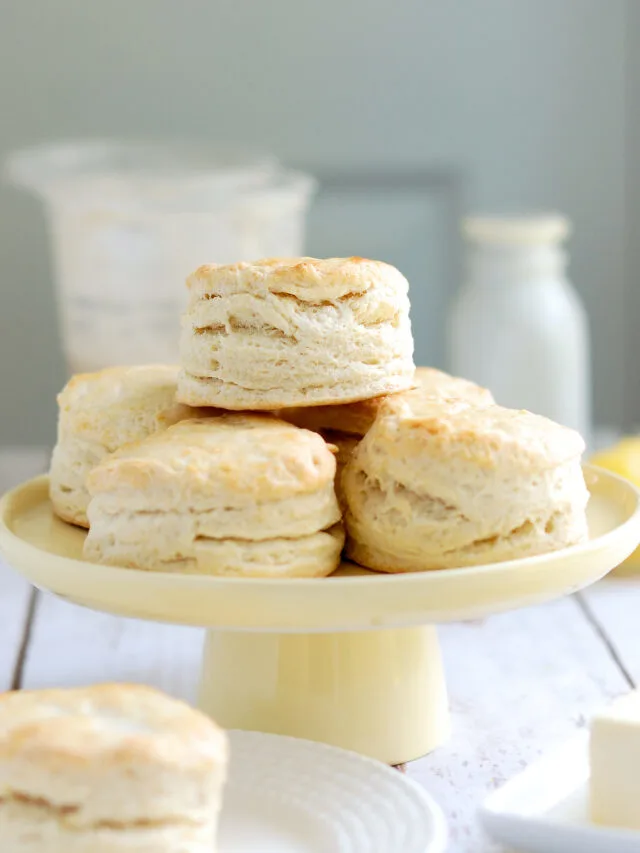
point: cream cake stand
(301, 657)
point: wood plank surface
(71, 646)
(16, 464)
(614, 605)
(519, 684)
(15, 596)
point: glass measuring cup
(130, 220)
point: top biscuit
(357, 418)
(283, 332)
(311, 280)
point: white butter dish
(545, 809)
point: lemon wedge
(623, 459)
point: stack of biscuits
(297, 431)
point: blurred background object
(130, 221)
(409, 114)
(518, 326)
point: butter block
(615, 764)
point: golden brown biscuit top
(254, 456)
(486, 435)
(357, 418)
(437, 383)
(311, 280)
(119, 404)
(106, 724)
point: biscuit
(238, 494)
(438, 484)
(344, 444)
(294, 332)
(106, 769)
(357, 418)
(99, 412)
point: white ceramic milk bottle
(518, 326)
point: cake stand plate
(299, 657)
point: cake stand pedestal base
(379, 693)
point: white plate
(545, 809)
(293, 796)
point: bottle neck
(496, 265)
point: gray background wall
(510, 103)
(632, 232)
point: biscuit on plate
(343, 444)
(438, 484)
(294, 332)
(357, 418)
(344, 425)
(240, 495)
(108, 769)
(99, 412)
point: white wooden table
(519, 682)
